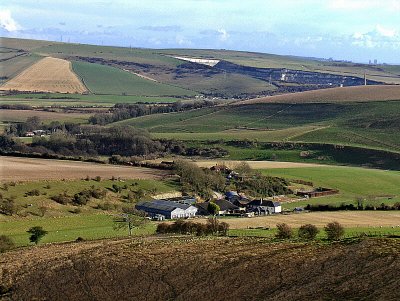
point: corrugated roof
(162, 205)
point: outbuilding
(262, 207)
(171, 210)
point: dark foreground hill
(217, 269)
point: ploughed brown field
(203, 269)
(47, 75)
(345, 94)
(31, 169)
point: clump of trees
(212, 227)
(126, 111)
(333, 231)
(196, 180)
(350, 207)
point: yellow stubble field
(47, 75)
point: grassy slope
(62, 224)
(372, 124)
(108, 80)
(376, 186)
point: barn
(171, 210)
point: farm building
(170, 210)
(225, 207)
(188, 200)
(262, 207)
(317, 192)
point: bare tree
(130, 220)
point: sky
(356, 30)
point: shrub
(223, 228)
(163, 228)
(62, 198)
(334, 231)
(79, 239)
(284, 231)
(308, 231)
(6, 243)
(37, 233)
(34, 192)
(76, 210)
(106, 206)
(7, 206)
(97, 178)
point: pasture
(370, 124)
(47, 75)
(102, 79)
(68, 228)
(79, 100)
(374, 186)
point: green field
(78, 100)
(375, 186)
(372, 124)
(102, 79)
(62, 221)
(68, 228)
(28, 206)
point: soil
(203, 269)
(31, 169)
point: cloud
(224, 35)
(379, 37)
(385, 32)
(172, 28)
(62, 23)
(7, 22)
(391, 5)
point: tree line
(126, 111)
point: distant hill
(198, 269)
(236, 75)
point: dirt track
(29, 169)
(47, 75)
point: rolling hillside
(238, 74)
(221, 269)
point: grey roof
(162, 205)
(225, 205)
(267, 203)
